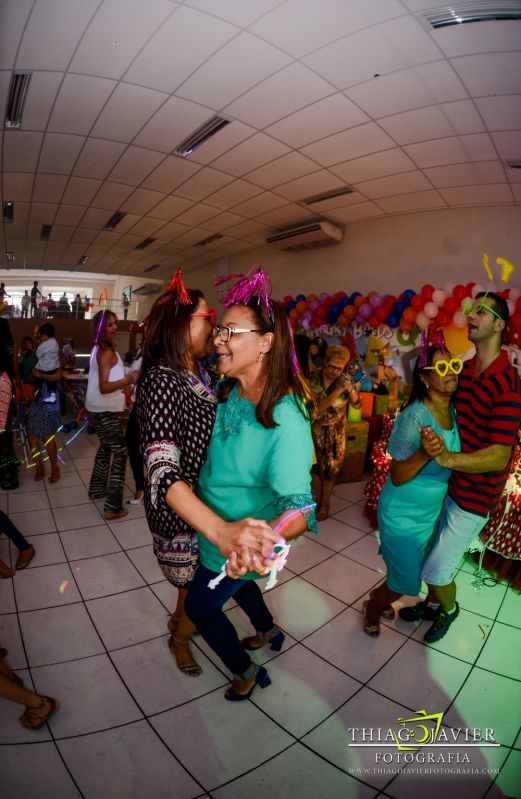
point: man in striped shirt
(488, 408)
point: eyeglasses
(334, 368)
(225, 333)
(474, 309)
(442, 367)
(211, 315)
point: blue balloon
(408, 294)
(344, 301)
(398, 307)
(290, 305)
(331, 316)
(301, 298)
(354, 295)
(393, 320)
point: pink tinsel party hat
(256, 283)
(438, 341)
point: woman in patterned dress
(43, 422)
(176, 407)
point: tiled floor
(86, 623)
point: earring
(260, 356)
(426, 386)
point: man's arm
(488, 459)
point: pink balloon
(448, 288)
(513, 294)
(375, 300)
(439, 297)
(359, 319)
(422, 320)
(511, 306)
(459, 320)
(365, 310)
(324, 296)
(430, 309)
(305, 323)
(477, 289)
(313, 304)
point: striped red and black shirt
(488, 410)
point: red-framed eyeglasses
(211, 315)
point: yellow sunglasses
(442, 367)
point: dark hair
(6, 348)
(280, 377)
(500, 306)
(28, 338)
(47, 330)
(302, 347)
(321, 343)
(419, 390)
(97, 328)
(167, 332)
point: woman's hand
(239, 563)
(251, 535)
(432, 443)
(132, 377)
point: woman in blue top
(258, 465)
(411, 499)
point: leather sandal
(370, 627)
(388, 612)
(185, 662)
(35, 717)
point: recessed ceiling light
(114, 220)
(152, 268)
(209, 239)
(45, 232)
(83, 260)
(10, 255)
(143, 244)
(8, 211)
(202, 134)
(16, 99)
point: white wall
(391, 254)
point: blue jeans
(204, 607)
(8, 528)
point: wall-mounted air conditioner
(304, 237)
(147, 288)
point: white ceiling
(321, 93)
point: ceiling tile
(112, 195)
(80, 191)
(14, 16)
(98, 157)
(388, 162)
(309, 185)
(324, 206)
(46, 45)
(454, 150)
(228, 137)
(508, 145)
(40, 98)
(21, 150)
(423, 85)
(466, 174)
(134, 166)
(245, 229)
(49, 188)
(171, 207)
(393, 184)
(490, 73)
(478, 195)
(146, 227)
(83, 236)
(42, 214)
(79, 102)
(192, 236)
(204, 183)
(248, 155)
(285, 215)
(257, 60)
(299, 27)
(494, 37)
(434, 122)
(95, 218)
(287, 91)
(501, 113)
(516, 191)
(128, 109)
(242, 14)
(222, 222)
(382, 49)
(259, 205)
(172, 123)
(361, 140)
(282, 170)
(234, 193)
(69, 215)
(317, 121)
(142, 201)
(61, 233)
(113, 38)
(18, 186)
(355, 213)
(166, 61)
(171, 231)
(170, 173)
(196, 215)
(59, 153)
(418, 201)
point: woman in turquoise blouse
(410, 502)
(258, 465)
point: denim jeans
(204, 607)
(8, 528)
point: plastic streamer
(256, 283)
(176, 289)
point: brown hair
(97, 328)
(280, 377)
(337, 351)
(167, 332)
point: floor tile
(30, 523)
(508, 780)
(128, 618)
(223, 731)
(337, 504)
(82, 516)
(304, 690)
(335, 535)
(89, 542)
(502, 651)
(465, 638)
(105, 575)
(20, 764)
(343, 642)
(486, 601)
(150, 672)
(48, 550)
(365, 551)
(33, 502)
(342, 578)
(127, 763)
(45, 587)
(295, 772)
(67, 480)
(421, 677)
(306, 553)
(510, 610)
(66, 496)
(300, 608)
(498, 705)
(10, 638)
(7, 603)
(132, 532)
(51, 635)
(91, 694)
(354, 492)
(354, 517)
(146, 563)
(27, 483)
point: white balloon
(513, 294)
(477, 289)
(511, 306)
(438, 296)
(459, 319)
(448, 288)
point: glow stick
(76, 434)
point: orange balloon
(294, 314)
(359, 301)
(349, 312)
(405, 326)
(312, 297)
(301, 306)
(409, 315)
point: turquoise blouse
(255, 471)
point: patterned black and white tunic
(176, 413)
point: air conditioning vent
(16, 99)
(327, 195)
(114, 220)
(45, 232)
(209, 240)
(305, 237)
(202, 134)
(475, 11)
(151, 268)
(143, 244)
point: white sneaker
(50, 398)
(135, 501)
